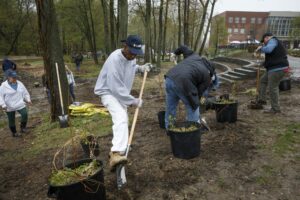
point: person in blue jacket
(276, 64)
(187, 82)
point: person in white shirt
(71, 82)
(113, 85)
(14, 97)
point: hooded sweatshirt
(116, 78)
(13, 99)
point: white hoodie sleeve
(26, 95)
(2, 103)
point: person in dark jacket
(187, 81)
(78, 61)
(276, 64)
(8, 65)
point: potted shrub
(185, 139)
(81, 180)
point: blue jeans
(71, 87)
(173, 95)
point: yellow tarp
(87, 109)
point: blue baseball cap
(134, 43)
(11, 73)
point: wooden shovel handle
(59, 89)
(137, 110)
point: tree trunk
(112, 25)
(186, 22)
(179, 22)
(208, 26)
(122, 19)
(154, 40)
(94, 45)
(160, 29)
(203, 19)
(52, 53)
(148, 30)
(165, 31)
(106, 27)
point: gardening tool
(204, 124)
(63, 119)
(120, 169)
(256, 105)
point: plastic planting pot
(185, 144)
(91, 188)
(285, 84)
(161, 119)
(226, 112)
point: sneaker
(271, 111)
(24, 130)
(115, 159)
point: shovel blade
(121, 176)
(204, 124)
(63, 121)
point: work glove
(257, 49)
(137, 102)
(173, 58)
(145, 68)
(4, 108)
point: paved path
(295, 65)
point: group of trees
(67, 26)
(93, 25)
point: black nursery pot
(185, 145)
(161, 119)
(226, 112)
(91, 188)
(90, 144)
(285, 84)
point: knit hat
(265, 35)
(183, 49)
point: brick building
(250, 26)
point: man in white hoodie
(113, 86)
(13, 97)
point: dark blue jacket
(7, 64)
(192, 76)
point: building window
(229, 30)
(236, 30)
(259, 20)
(252, 20)
(242, 31)
(230, 19)
(237, 20)
(243, 20)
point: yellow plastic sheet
(87, 109)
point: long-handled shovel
(120, 170)
(256, 105)
(63, 119)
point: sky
(256, 5)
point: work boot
(257, 104)
(23, 127)
(260, 102)
(14, 131)
(116, 158)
